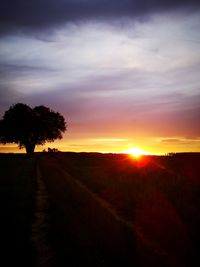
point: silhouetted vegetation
(29, 127)
(54, 150)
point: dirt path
(40, 226)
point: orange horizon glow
(134, 147)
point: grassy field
(90, 209)
(17, 200)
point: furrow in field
(85, 232)
(157, 223)
(92, 221)
(151, 244)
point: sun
(135, 152)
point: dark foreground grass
(85, 231)
(103, 210)
(159, 196)
(17, 193)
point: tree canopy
(29, 127)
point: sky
(123, 73)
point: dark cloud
(172, 140)
(44, 14)
(12, 70)
(183, 141)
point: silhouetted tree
(29, 127)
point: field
(92, 209)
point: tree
(29, 127)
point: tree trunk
(30, 148)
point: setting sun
(136, 152)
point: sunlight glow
(136, 152)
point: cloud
(171, 140)
(181, 141)
(35, 15)
(141, 79)
(100, 60)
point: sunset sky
(123, 73)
